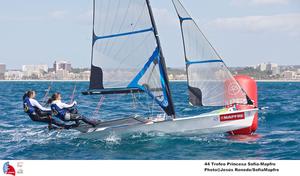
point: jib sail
(210, 83)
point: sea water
(278, 135)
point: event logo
(8, 169)
(233, 89)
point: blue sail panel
(150, 69)
(122, 34)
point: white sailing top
(62, 105)
(36, 104)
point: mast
(162, 62)
(96, 75)
(93, 41)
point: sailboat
(127, 58)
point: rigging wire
(45, 98)
(101, 100)
(73, 93)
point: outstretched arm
(64, 105)
(38, 105)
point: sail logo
(233, 89)
(8, 169)
(234, 116)
(165, 102)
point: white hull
(202, 124)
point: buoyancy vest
(58, 112)
(28, 108)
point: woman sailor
(39, 113)
(67, 112)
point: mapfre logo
(8, 169)
(233, 116)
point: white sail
(209, 80)
(126, 54)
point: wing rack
(113, 91)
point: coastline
(279, 81)
(88, 80)
(44, 81)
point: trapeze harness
(61, 111)
(42, 116)
(28, 108)
(35, 113)
(73, 115)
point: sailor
(67, 112)
(38, 113)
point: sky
(244, 32)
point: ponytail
(53, 98)
(50, 100)
(25, 95)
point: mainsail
(210, 83)
(126, 53)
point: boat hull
(201, 124)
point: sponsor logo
(8, 169)
(233, 89)
(234, 116)
(165, 103)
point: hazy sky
(245, 32)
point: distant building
(2, 71)
(274, 68)
(288, 75)
(34, 70)
(2, 68)
(271, 66)
(276, 71)
(180, 77)
(64, 75)
(62, 65)
(262, 67)
(13, 75)
(84, 75)
(171, 77)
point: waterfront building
(34, 71)
(84, 75)
(262, 67)
(271, 66)
(62, 75)
(276, 71)
(2, 71)
(62, 65)
(288, 75)
(13, 75)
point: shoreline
(44, 81)
(88, 80)
(279, 81)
